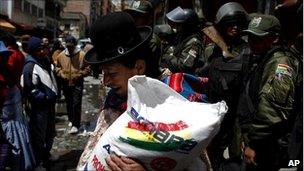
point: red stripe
(176, 82)
(180, 125)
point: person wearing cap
(187, 54)
(72, 69)
(225, 79)
(121, 50)
(142, 12)
(266, 103)
(40, 93)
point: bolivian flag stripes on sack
(155, 136)
(160, 129)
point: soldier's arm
(186, 60)
(276, 98)
(155, 45)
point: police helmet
(232, 12)
(183, 16)
(162, 29)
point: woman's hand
(117, 163)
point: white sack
(160, 128)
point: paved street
(69, 147)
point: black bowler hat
(115, 36)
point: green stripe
(152, 146)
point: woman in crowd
(13, 123)
(122, 51)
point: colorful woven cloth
(191, 87)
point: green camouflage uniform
(186, 56)
(271, 89)
(155, 45)
(276, 95)
(273, 105)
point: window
(34, 10)
(40, 13)
(18, 4)
(26, 7)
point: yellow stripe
(282, 67)
(145, 136)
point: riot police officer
(187, 54)
(225, 79)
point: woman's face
(116, 75)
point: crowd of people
(33, 77)
(258, 74)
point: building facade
(32, 15)
(78, 15)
